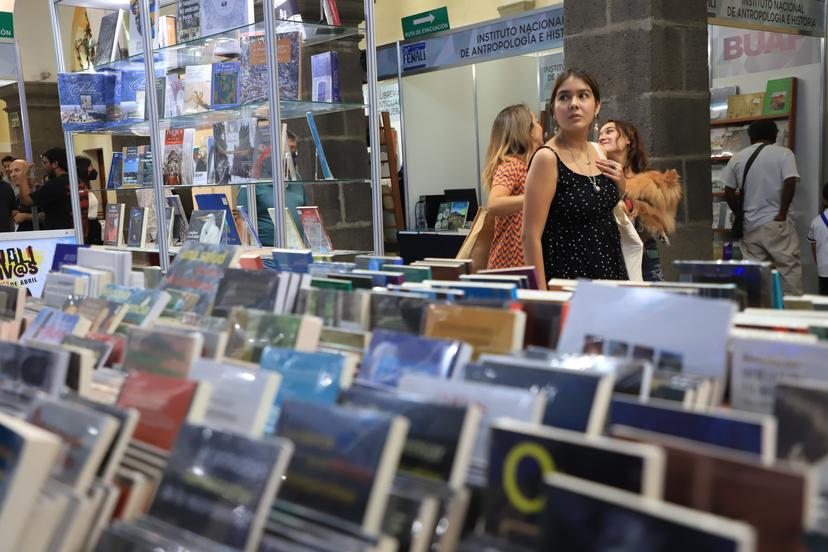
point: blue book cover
(11, 447)
(518, 461)
(434, 433)
(218, 202)
(289, 57)
(320, 152)
(480, 290)
(132, 86)
(288, 260)
(338, 452)
(310, 377)
(225, 83)
(392, 354)
(85, 100)
(65, 254)
(374, 262)
(116, 171)
(129, 175)
(717, 429)
(571, 393)
(325, 77)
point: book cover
(220, 156)
(331, 13)
(218, 202)
(38, 368)
(778, 97)
(356, 479)
(242, 398)
(86, 437)
(443, 216)
(107, 50)
(114, 225)
(320, 152)
(392, 354)
(197, 88)
(136, 41)
(244, 473)
(457, 216)
(166, 352)
(253, 330)
(198, 269)
(187, 23)
(314, 229)
(487, 330)
(164, 405)
(521, 454)
(217, 16)
(207, 227)
(240, 136)
(325, 77)
(440, 436)
(292, 260)
(145, 166)
(174, 152)
(745, 105)
(289, 55)
(174, 96)
(398, 312)
(85, 99)
(495, 400)
(137, 233)
(308, 377)
(253, 71)
(181, 224)
(130, 166)
(245, 288)
(101, 351)
(226, 81)
(116, 168)
(12, 302)
(133, 84)
(261, 167)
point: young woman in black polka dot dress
(569, 230)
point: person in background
(53, 196)
(20, 170)
(89, 215)
(8, 206)
(516, 135)
(294, 197)
(769, 231)
(818, 236)
(6, 162)
(569, 230)
(652, 196)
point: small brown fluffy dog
(655, 197)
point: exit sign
(432, 21)
(6, 25)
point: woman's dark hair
(637, 161)
(56, 155)
(825, 193)
(83, 163)
(573, 72)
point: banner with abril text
(26, 257)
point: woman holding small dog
(569, 230)
(651, 197)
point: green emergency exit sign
(432, 21)
(6, 25)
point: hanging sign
(421, 24)
(502, 38)
(26, 258)
(806, 17)
(6, 25)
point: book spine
(323, 161)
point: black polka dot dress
(581, 238)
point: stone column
(650, 57)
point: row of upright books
(284, 403)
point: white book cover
(86, 435)
(241, 398)
(46, 515)
(60, 286)
(217, 16)
(495, 401)
(759, 364)
(197, 88)
(674, 332)
(117, 262)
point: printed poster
(26, 262)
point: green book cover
(778, 97)
(254, 330)
(411, 273)
(328, 283)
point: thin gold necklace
(592, 179)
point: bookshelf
(722, 150)
(295, 107)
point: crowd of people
(574, 208)
(27, 205)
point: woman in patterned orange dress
(516, 134)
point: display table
(416, 245)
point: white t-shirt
(819, 235)
(768, 173)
